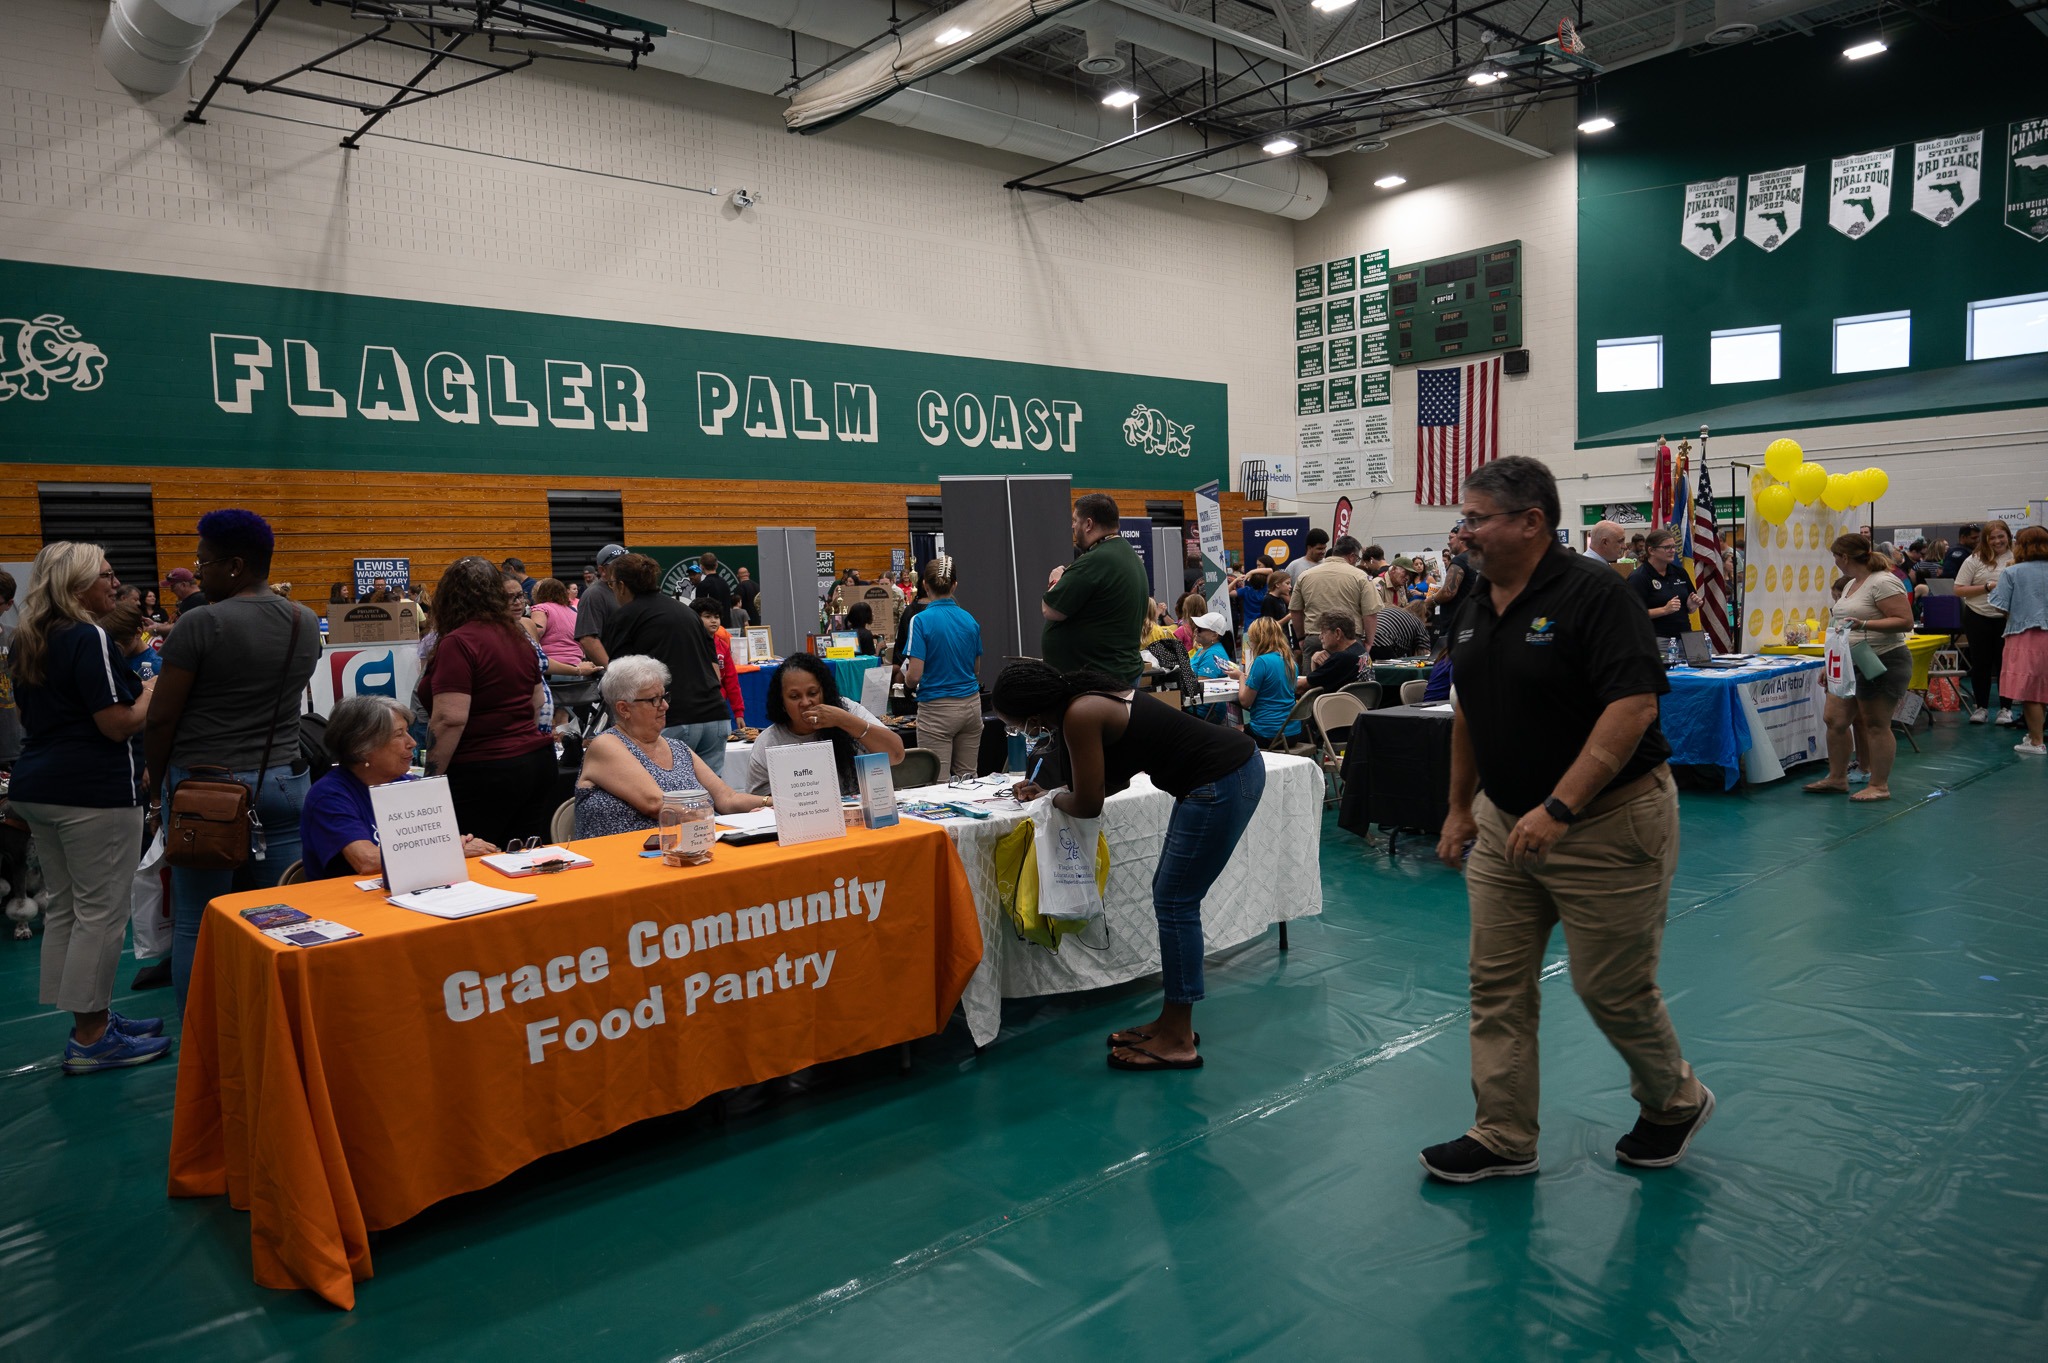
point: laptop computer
(1697, 654)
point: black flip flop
(1151, 1062)
(1114, 1044)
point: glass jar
(684, 827)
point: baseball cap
(609, 553)
(1213, 621)
(179, 575)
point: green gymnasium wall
(1762, 107)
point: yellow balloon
(1859, 487)
(1836, 493)
(1774, 504)
(1880, 483)
(1807, 481)
(1782, 458)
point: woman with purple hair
(228, 694)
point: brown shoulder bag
(209, 820)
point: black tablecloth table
(1397, 770)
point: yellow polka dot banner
(1789, 572)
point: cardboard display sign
(373, 622)
(416, 830)
(804, 779)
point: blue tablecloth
(847, 672)
(1703, 714)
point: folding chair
(562, 827)
(1367, 692)
(1335, 711)
(293, 874)
(919, 767)
(1304, 709)
(1413, 691)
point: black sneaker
(155, 975)
(1465, 1160)
(1657, 1145)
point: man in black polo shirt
(1559, 785)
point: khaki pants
(89, 858)
(1608, 881)
(952, 729)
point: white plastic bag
(1841, 672)
(150, 914)
(1073, 863)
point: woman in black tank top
(1111, 733)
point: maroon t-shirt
(497, 670)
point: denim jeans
(278, 802)
(1200, 836)
(707, 740)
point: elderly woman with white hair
(628, 768)
(370, 739)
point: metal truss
(500, 33)
(1533, 72)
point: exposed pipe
(149, 45)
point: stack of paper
(460, 900)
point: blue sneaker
(114, 1050)
(136, 1026)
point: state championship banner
(1860, 191)
(1709, 223)
(1946, 176)
(2026, 178)
(1772, 206)
(1789, 571)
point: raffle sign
(1860, 191)
(1946, 174)
(1772, 206)
(2026, 178)
(1709, 225)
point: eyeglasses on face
(110, 576)
(658, 701)
(1482, 518)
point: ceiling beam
(1243, 42)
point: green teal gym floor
(1863, 987)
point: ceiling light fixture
(1486, 75)
(1862, 50)
(1280, 146)
(1120, 99)
(1390, 181)
(1599, 123)
(1331, 6)
(953, 35)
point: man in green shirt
(1095, 606)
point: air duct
(149, 45)
(988, 107)
(1104, 58)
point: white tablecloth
(1274, 875)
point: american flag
(1457, 428)
(1705, 551)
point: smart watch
(1559, 810)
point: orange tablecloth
(335, 1090)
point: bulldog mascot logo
(49, 351)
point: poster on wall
(1372, 270)
(1341, 275)
(1343, 354)
(1946, 173)
(1308, 322)
(1342, 315)
(1308, 283)
(1343, 394)
(1376, 346)
(1860, 191)
(1772, 206)
(1709, 217)
(394, 574)
(1308, 360)
(1308, 399)
(2026, 178)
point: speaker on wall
(1515, 362)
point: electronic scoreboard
(1457, 305)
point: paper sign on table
(416, 830)
(742, 650)
(760, 643)
(804, 779)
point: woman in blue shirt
(1267, 692)
(78, 785)
(939, 666)
(1211, 661)
(371, 740)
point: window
(1746, 355)
(1629, 365)
(1880, 340)
(2009, 326)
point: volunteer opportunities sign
(99, 366)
